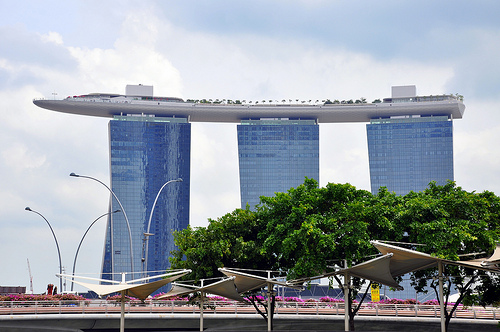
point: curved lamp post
(57, 244)
(147, 234)
(124, 214)
(81, 241)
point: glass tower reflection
(145, 153)
(406, 154)
(276, 155)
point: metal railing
(229, 307)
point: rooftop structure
(110, 105)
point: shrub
(41, 297)
(328, 299)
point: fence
(226, 307)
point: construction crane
(31, 277)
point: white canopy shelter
(223, 287)
(406, 260)
(139, 288)
(395, 261)
(377, 270)
(232, 287)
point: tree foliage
(231, 240)
(452, 222)
(306, 230)
(308, 227)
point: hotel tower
(410, 143)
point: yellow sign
(375, 293)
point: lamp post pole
(81, 241)
(147, 233)
(124, 214)
(146, 236)
(57, 244)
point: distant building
(276, 155)
(7, 290)
(406, 152)
(145, 153)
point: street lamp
(57, 244)
(124, 214)
(81, 241)
(147, 233)
(146, 236)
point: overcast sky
(251, 50)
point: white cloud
(17, 159)
(255, 68)
(344, 155)
(52, 37)
(476, 151)
(132, 60)
(40, 148)
(214, 172)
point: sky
(225, 49)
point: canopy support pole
(441, 295)
(269, 313)
(201, 310)
(347, 281)
(122, 315)
(201, 305)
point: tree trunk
(351, 324)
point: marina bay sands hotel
(410, 143)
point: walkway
(176, 315)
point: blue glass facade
(145, 153)
(276, 155)
(406, 154)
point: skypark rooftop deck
(109, 105)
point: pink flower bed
(35, 297)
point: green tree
(308, 227)
(452, 222)
(299, 232)
(230, 241)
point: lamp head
(74, 174)
(115, 211)
(28, 208)
(179, 180)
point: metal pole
(124, 214)
(122, 314)
(269, 294)
(201, 310)
(146, 236)
(346, 301)
(149, 222)
(201, 306)
(57, 245)
(441, 296)
(81, 241)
